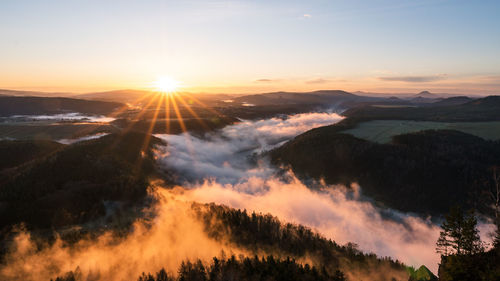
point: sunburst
(166, 85)
(164, 96)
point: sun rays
(164, 110)
(165, 85)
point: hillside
(123, 96)
(47, 106)
(477, 267)
(324, 98)
(15, 153)
(17, 93)
(72, 185)
(452, 101)
(265, 233)
(424, 172)
(275, 251)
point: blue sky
(248, 46)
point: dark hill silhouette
(128, 95)
(17, 152)
(322, 97)
(483, 109)
(70, 186)
(425, 172)
(452, 101)
(426, 94)
(47, 105)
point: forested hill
(258, 232)
(15, 153)
(53, 105)
(424, 172)
(70, 185)
(277, 251)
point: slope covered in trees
(72, 185)
(232, 268)
(477, 267)
(425, 172)
(276, 251)
(257, 233)
(15, 153)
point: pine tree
(459, 234)
(470, 235)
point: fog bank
(334, 212)
(226, 155)
(174, 235)
(223, 168)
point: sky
(251, 46)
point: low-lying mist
(172, 236)
(223, 168)
(84, 138)
(227, 155)
(333, 211)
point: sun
(166, 84)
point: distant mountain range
(29, 103)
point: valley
(76, 180)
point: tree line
(233, 268)
(463, 255)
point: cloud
(332, 211)
(336, 213)
(414, 79)
(221, 168)
(264, 80)
(227, 154)
(165, 241)
(306, 16)
(318, 81)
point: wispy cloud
(267, 80)
(307, 16)
(414, 79)
(318, 81)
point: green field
(382, 131)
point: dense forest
(232, 268)
(73, 185)
(257, 232)
(477, 267)
(17, 152)
(425, 172)
(289, 244)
